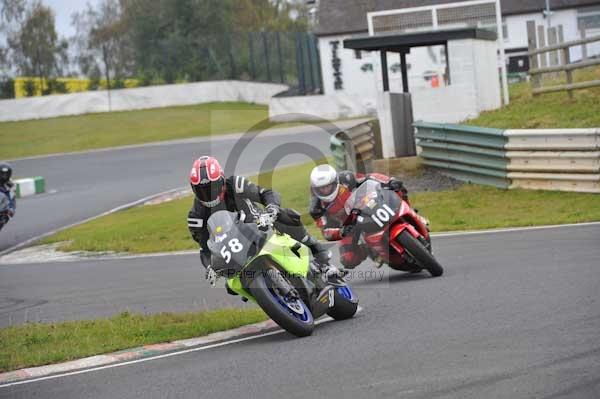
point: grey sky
(63, 10)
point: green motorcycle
(275, 271)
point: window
(588, 18)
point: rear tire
(261, 291)
(420, 253)
(344, 308)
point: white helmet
(324, 182)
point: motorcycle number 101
(383, 215)
(234, 245)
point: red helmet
(208, 181)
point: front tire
(423, 257)
(267, 297)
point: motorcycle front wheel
(289, 312)
(418, 251)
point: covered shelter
(404, 42)
(471, 75)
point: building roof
(350, 16)
(416, 39)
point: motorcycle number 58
(234, 245)
(383, 215)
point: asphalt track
(86, 184)
(516, 315)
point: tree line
(153, 41)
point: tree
(176, 40)
(36, 48)
(11, 13)
(102, 39)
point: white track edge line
(512, 229)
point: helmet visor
(325, 191)
(209, 191)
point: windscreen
(233, 243)
(221, 222)
(364, 196)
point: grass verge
(554, 110)
(473, 207)
(163, 227)
(85, 132)
(39, 344)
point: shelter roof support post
(384, 71)
(404, 69)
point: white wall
(517, 30)
(330, 107)
(138, 98)
(354, 79)
(357, 81)
(451, 104)
(475, 87)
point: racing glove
(397, 186)
(211, 275)
(269, 216)
(273, 210)
(347, 230)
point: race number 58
(235, 245)
(383, 215)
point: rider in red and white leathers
(329, 192)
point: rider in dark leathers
(213, 192)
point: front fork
(399, 228)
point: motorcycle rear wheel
(275, 306)
(418, 251)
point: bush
(56, 87)
(94, 83)
(118, 83)
(29, 87)
(7, 88)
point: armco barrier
(465, 152)
(550, 159)
(357, 147)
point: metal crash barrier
(357, 147)
(547, 159)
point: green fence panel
(469, 153)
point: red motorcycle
(390, 229)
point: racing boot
(322, 258)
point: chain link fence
(290, 58)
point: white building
(346, 72)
